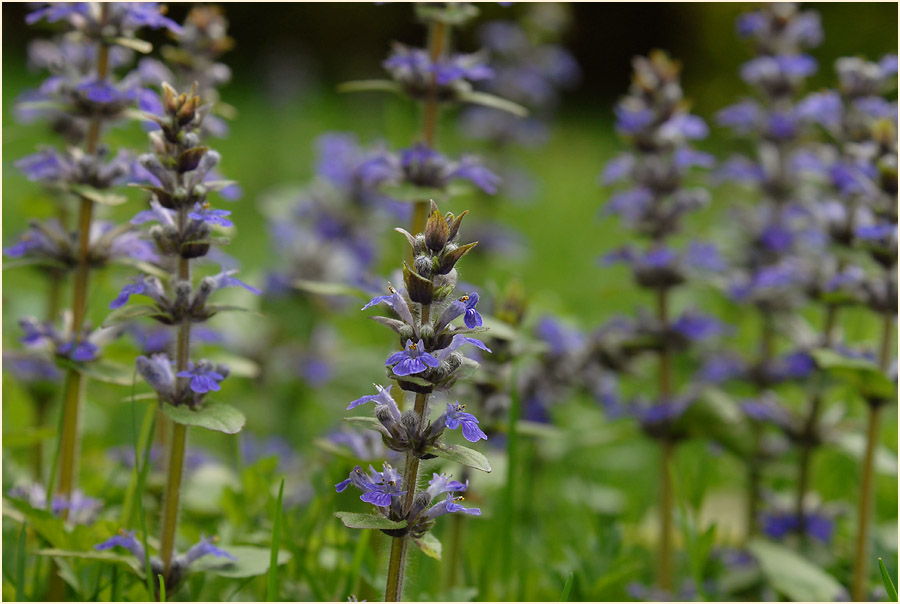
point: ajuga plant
(766, 272)
(179, 167)
(434, 78)
(428, 364)
(654, 118)
(859, 216)
(82, 99)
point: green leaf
(22, 558)
(127, 313)
(162, 588)
(27, 437)
(854, 445)
(43, 262)
(494, 102)
(862, 374)
(251, 562)
(272, 588)
(368, 521)
(429, 545)
(127, 560)
(567, 589)
(107, 371)
(792, 575)
(219, 417)
(364, 421)
(238, 366)
(134, 44)
(217, 308)
(462, 455)
(326, 288)
(370, 85)
(886, 579)
(105, 198)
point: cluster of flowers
(429, 360)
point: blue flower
(456, 417)
(204, 377)
(618, 168)
(630, 204)
(413, 359)
(141, 285)
(208, 215)
(450, 506)
(206, 547)
(378, 487)
(382, 398)
(79, 350)
(684, 125)
(632, 119)
(741, 117)
(124, 539)
(471, 169)
(226, 279)
(458, 341)
(473, 317)
(694, 326)
(396, 301)
(441, 483)
(822, 108)
(43, 166)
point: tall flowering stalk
(428, 361)
(654, 118)
(861, 217)
(178, 176)
(82, 99)
(434, 77)
(767, 272)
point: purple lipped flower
(31, 369)
(157, 213)
(684, 125)
(441, 483)
(206, 547)
(396, 301)
(720, 369)
(470, 168)
(458, 341)
(630, 204)
(158, 371)
(209, 215)
(456, 417)
(741, 117)
(695, 326)
(378, 487)
(227, 279)
(204, 377)
(450, 506)
(823, 108)
(413, 359)
(473, 317)
(79, 350)
(617, 168)
(793, 366)
(141, 285)
(382, 398)
(125, 539)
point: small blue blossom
(204, 377)
(473, 317)
(396, 301)
(141, 285)
(382, 398)
(206, 547)
(209, 215)
(378, 487)
(456, 417)
(126, 540)
(413, 359)
(450, 506)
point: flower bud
(436, 231)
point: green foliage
(215, 416)
(792, 575)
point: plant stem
(809, 430)
(754, 464)
(68, 438)
(664, 569)
(437, 42)
(864, 514)
(179, 432)
(393, 591)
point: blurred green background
(286, 65)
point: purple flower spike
(456, 417)
(413, 359)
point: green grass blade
(21, 557)
(888, 584)
(149, 423)
(568, 588)
(162, 588)
(272, 590)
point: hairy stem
(179, 432)
(68, 438)
(664, 568)
(393, 591)
(809, 429)
(864, 513)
